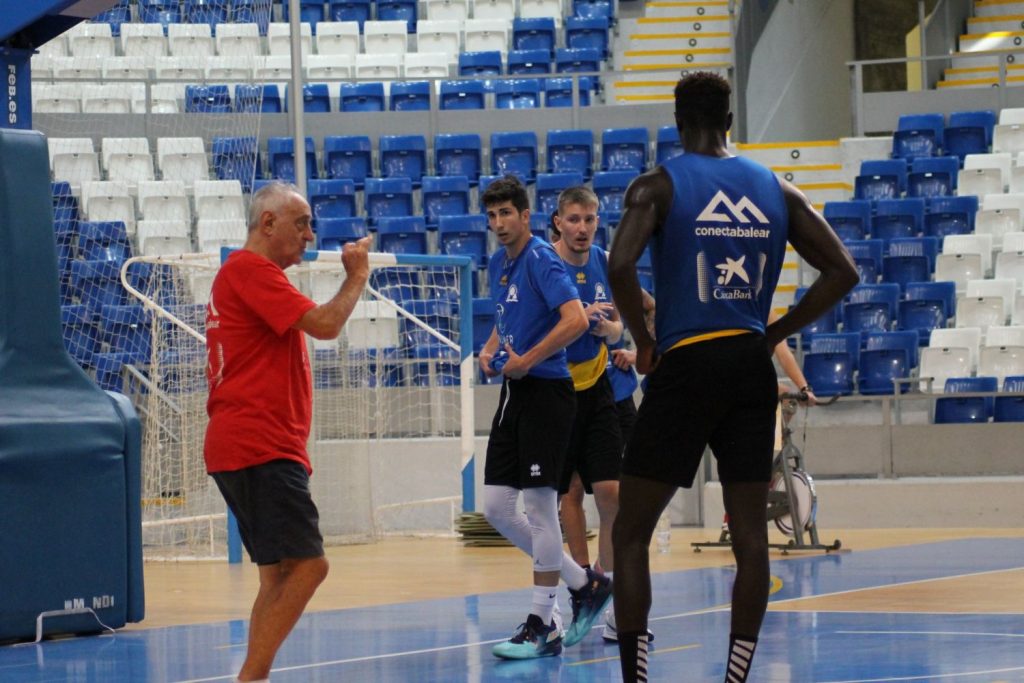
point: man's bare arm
(326, 320)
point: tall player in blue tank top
(717, 226)
(537, 313)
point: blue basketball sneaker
(531, 640)
(587, 604)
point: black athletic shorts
(626, 410)
(721, 392)
(595, 449)
(530, 433)
(277, 518)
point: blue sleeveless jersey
(527, 292)
(717, 258)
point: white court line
(931, 677)
(352, 660)
(706, 610)
(934, 633)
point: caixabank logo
(730, 275)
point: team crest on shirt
(730, 279)
(581, 278)
(599, 292)
(513, 294)
(504, 280)
(534, 470)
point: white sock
(575, 576)
(543, 606)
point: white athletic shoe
(611, 634)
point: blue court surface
(450, 640)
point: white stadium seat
(337, 38)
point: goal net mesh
(390, 380)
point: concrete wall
(798, 85)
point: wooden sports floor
(900, 605)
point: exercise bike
(791, 494)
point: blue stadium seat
(236, 158)
(587, 32)
(466, 236)
(667, 144)
(848, 343)
(950, 216)
(65, 204)
(115, 16)
(332, 198)
(310, 11)
(969, 132)
(362, 96)
(126, 329)
(881, 179)
(388, 198)
(463, 94)
(540, 226)
(97, 283)
(851, 220)
(161, 12)
(514, 152)
(348, 156)
(571, 151)
(486, 180)
(907, 341)
(316, 98)
(252, 12)
(410, 96)
(458, 154)
(918, 135)
(534, 33)
(867, 256)
(624, 149)
(878, 369)
(210, 12)
(103, 241)
(898, 218)
(942, 294)
(207, 99)
(517, 93)
(610, 186)
(550, 185)
(438, 365)
(592, 8)
(403, 156)
(529, 62)
(828, 323)
(444, 196)
(436, 313)
(281, 158)
(871, 308)
(558, 91)
(333, 233)
(1007, 408)
(910, 259)
(932, 177)
(82, 337)
(577, 60)
(830, 374)
(400, 284)
(262, 99)
(350, 10)
(966, 409)
(483, 322)
(401, 234)
(486, 63)
(398, 10)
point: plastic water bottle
(663, 532)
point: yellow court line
(982, 69)
(993, 3)
(990, 34)
(808, 167)
(978, 81)
(787, 145)
(825, 186)
(655, 651)
(1001, 17)
(669, 53)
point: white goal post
(392, 400)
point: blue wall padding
(70, 485)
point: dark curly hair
(702, 101)
(507, 189)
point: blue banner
(17, 111)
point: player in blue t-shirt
(537, 313)
(717, 226)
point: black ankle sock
(633, 656)
(741, 653)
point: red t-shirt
(260, 402)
